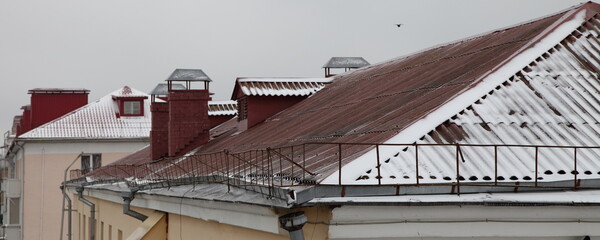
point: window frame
(94, 162)
(121, 106)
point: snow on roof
(97, 120)
(218, 108)
(566, 197)
(126, 92)
(280, 86)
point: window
(132, 108)
(90, 162)
(14, 211)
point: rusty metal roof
(282, 86)
(406, 98)
(346, 62)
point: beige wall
(43, 172)
(110, 220)
(175, 226)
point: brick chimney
(48, 104)
(180, 113)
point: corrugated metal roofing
(188, 75)
(218, 108)
(346, 62)
(279, 86)
(376, 103)
(554, 101)
(97, 120)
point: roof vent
(346, 63)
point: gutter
(92, 212)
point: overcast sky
(103, 45)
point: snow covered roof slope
(278, 86)
(98, 120)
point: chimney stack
(48, 104)
(181, 123)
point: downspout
(127, 198)
(293, 223)
(92, 212)
(69, 209)
(66, 197)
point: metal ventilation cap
(346, 62)
(162, 89)
(189, 75)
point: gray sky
(103, 45)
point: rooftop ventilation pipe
(92, 212)
(293, 223)
(127, 198)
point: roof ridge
(468, 38)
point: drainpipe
(69, 208)
(127, 198)
(293, 223)
(92, 212)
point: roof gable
(546, 95)
(97, 120)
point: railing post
(340, 163)
(575, 173)
(536, 165)
(457, 170)
(227, 166)
(417, 162)
(304, 162)
(496, 165)
(378, 165)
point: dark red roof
(375, 103)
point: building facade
(496, 136)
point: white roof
(97, 120)
(281, 86)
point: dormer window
(132, 108)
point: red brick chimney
(48, 104)
(181, 123)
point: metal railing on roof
(366, 164)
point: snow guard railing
(362, 164)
